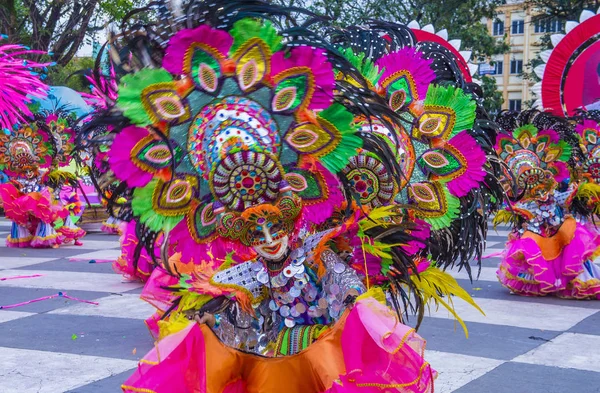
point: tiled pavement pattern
(522, 345)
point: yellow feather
(433, 284)
(504, 217)
(590, 192)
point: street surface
(522, 345)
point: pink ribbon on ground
(492, 255)
(17, 277)
(90, 260)
(60, 294)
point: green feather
(246, 29)
(567, 149)
(526, 128)
(142, 206)
(452, 211)
(130, 93)
(367, 68)
(452, 97)
(339, 117)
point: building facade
(514, 23)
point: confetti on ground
(18, 277)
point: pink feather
(197, 253)
(104, 90)
(174, 58)
(475, 161)
(412, 61)
(18, 81)
(318, 213)
(119, 157)
(316, 61)
(554, 137)
(587, 124)
(561, 169)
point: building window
(514, 105)
(498, 27)
(518, 27)
(498, 68)
(516, 66)
(548, 26)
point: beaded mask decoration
(536, 159)
(25, 149)
(589, 132)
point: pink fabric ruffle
(112, 226)
(70, 231)
(19, 237)
(525, 271)
(380, 354)
(46, 237)
(126, 264)
(154, 293)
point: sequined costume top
(293, 299)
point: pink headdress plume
(179, 56)
(406, 69)
(300, 60)
(317, 210)
(120, 157)
(103, 87)
(473, 173)
(19, 83)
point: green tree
(492, 98)
(70, 75)
(462, 18)
(560, 10)
(58, 26)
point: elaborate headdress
(570, 73)
(28, 148)
(536, 157)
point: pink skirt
(527, 269)
(367, 350)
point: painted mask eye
(277, 227)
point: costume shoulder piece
(571, 69)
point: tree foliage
(563, 10)
(560, 10)
(58, 26)
(492, 98)
(462, 18)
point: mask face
(270, 239)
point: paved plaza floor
(521, 345)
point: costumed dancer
(24, 153)
(240, 134)
(27, 202)
(583, 202)
(569, 87)
(548, 247)
(235, 150)
(70, 231)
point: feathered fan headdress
(20, 83)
